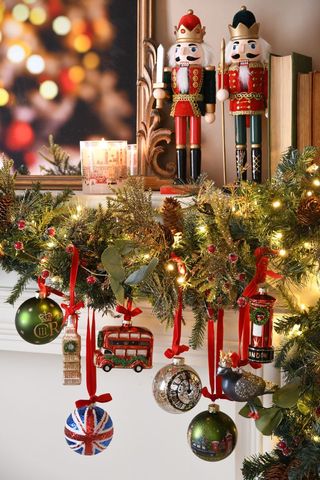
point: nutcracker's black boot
(256, 163)
(241, 162)
(195, 163)
(181, 166)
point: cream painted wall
(288, 25)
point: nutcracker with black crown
(190, 86)
(245, 82)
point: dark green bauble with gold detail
(212, 435)
(39, 320)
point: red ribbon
(46, 290)
(176, 348)
(72, 308)
(262, 259)
(214, 356)
(128, 312)
(91, 374)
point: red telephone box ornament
(261, 312)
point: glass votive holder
(103, 162)
(132, 159)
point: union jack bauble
(88, 430)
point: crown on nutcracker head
(189, 29)
(244, 25)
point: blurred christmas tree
(64, 71)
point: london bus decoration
(124, 346)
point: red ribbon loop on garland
(72, 308)
(262, 255)
(128, 312)
(91, 374)
(214, 356)
(176, 348)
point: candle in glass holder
(132, 159)
(103, 162)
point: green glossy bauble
(39, 320)
(212, 435)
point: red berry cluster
(284, 448)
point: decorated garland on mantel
(130, 250)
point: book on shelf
(304, 110)
(316, 109)
(282, 124)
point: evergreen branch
(19, 287)
(58, 159)
(256, 465)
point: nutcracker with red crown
(189, 84)
(245, 83)
(261, 311)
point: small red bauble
(51, 231)
(282, 445)
(18, 246)
(242, 302)
(242, 277)
(91, 280)
(21, 224)
(211, 248)
(69, 248)
(45, 273)
(233, 257)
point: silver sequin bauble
(177, 387)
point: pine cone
(5, 210)
(308, 212)
(277, 472)
(172, 215)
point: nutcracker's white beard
(183, 80)
(244, 76)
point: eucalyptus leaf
(112, 262)
(140, 275)
(118, 290)
(244, 412)
(288, 395)
(125, 246)
(269, 420)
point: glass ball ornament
(88, 430)
(212, 435)
(177, 387)
(39, 320)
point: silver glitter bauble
(177, 387)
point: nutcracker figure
(245, 82)
(261, 311)
(190, 85)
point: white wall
(288, 25)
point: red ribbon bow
(91, 374)
(262, 255)
(72, 308)
(45, 290)
(128, 312)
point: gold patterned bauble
(308, 212)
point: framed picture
(70, 69)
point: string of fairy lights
(20, 47)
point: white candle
(102, 162)
(132, 159)
(160, 64)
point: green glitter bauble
(39, 320)
(212, 435)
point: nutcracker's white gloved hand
(222, 94)
(159, 94)
(209, 117)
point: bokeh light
(82, 43)
(61, 25)
(91, 60)
(76, 74)
(38, 15)
(20, 12)
(35, 64)
(48, 89)
(16, 53)
(4, 97)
